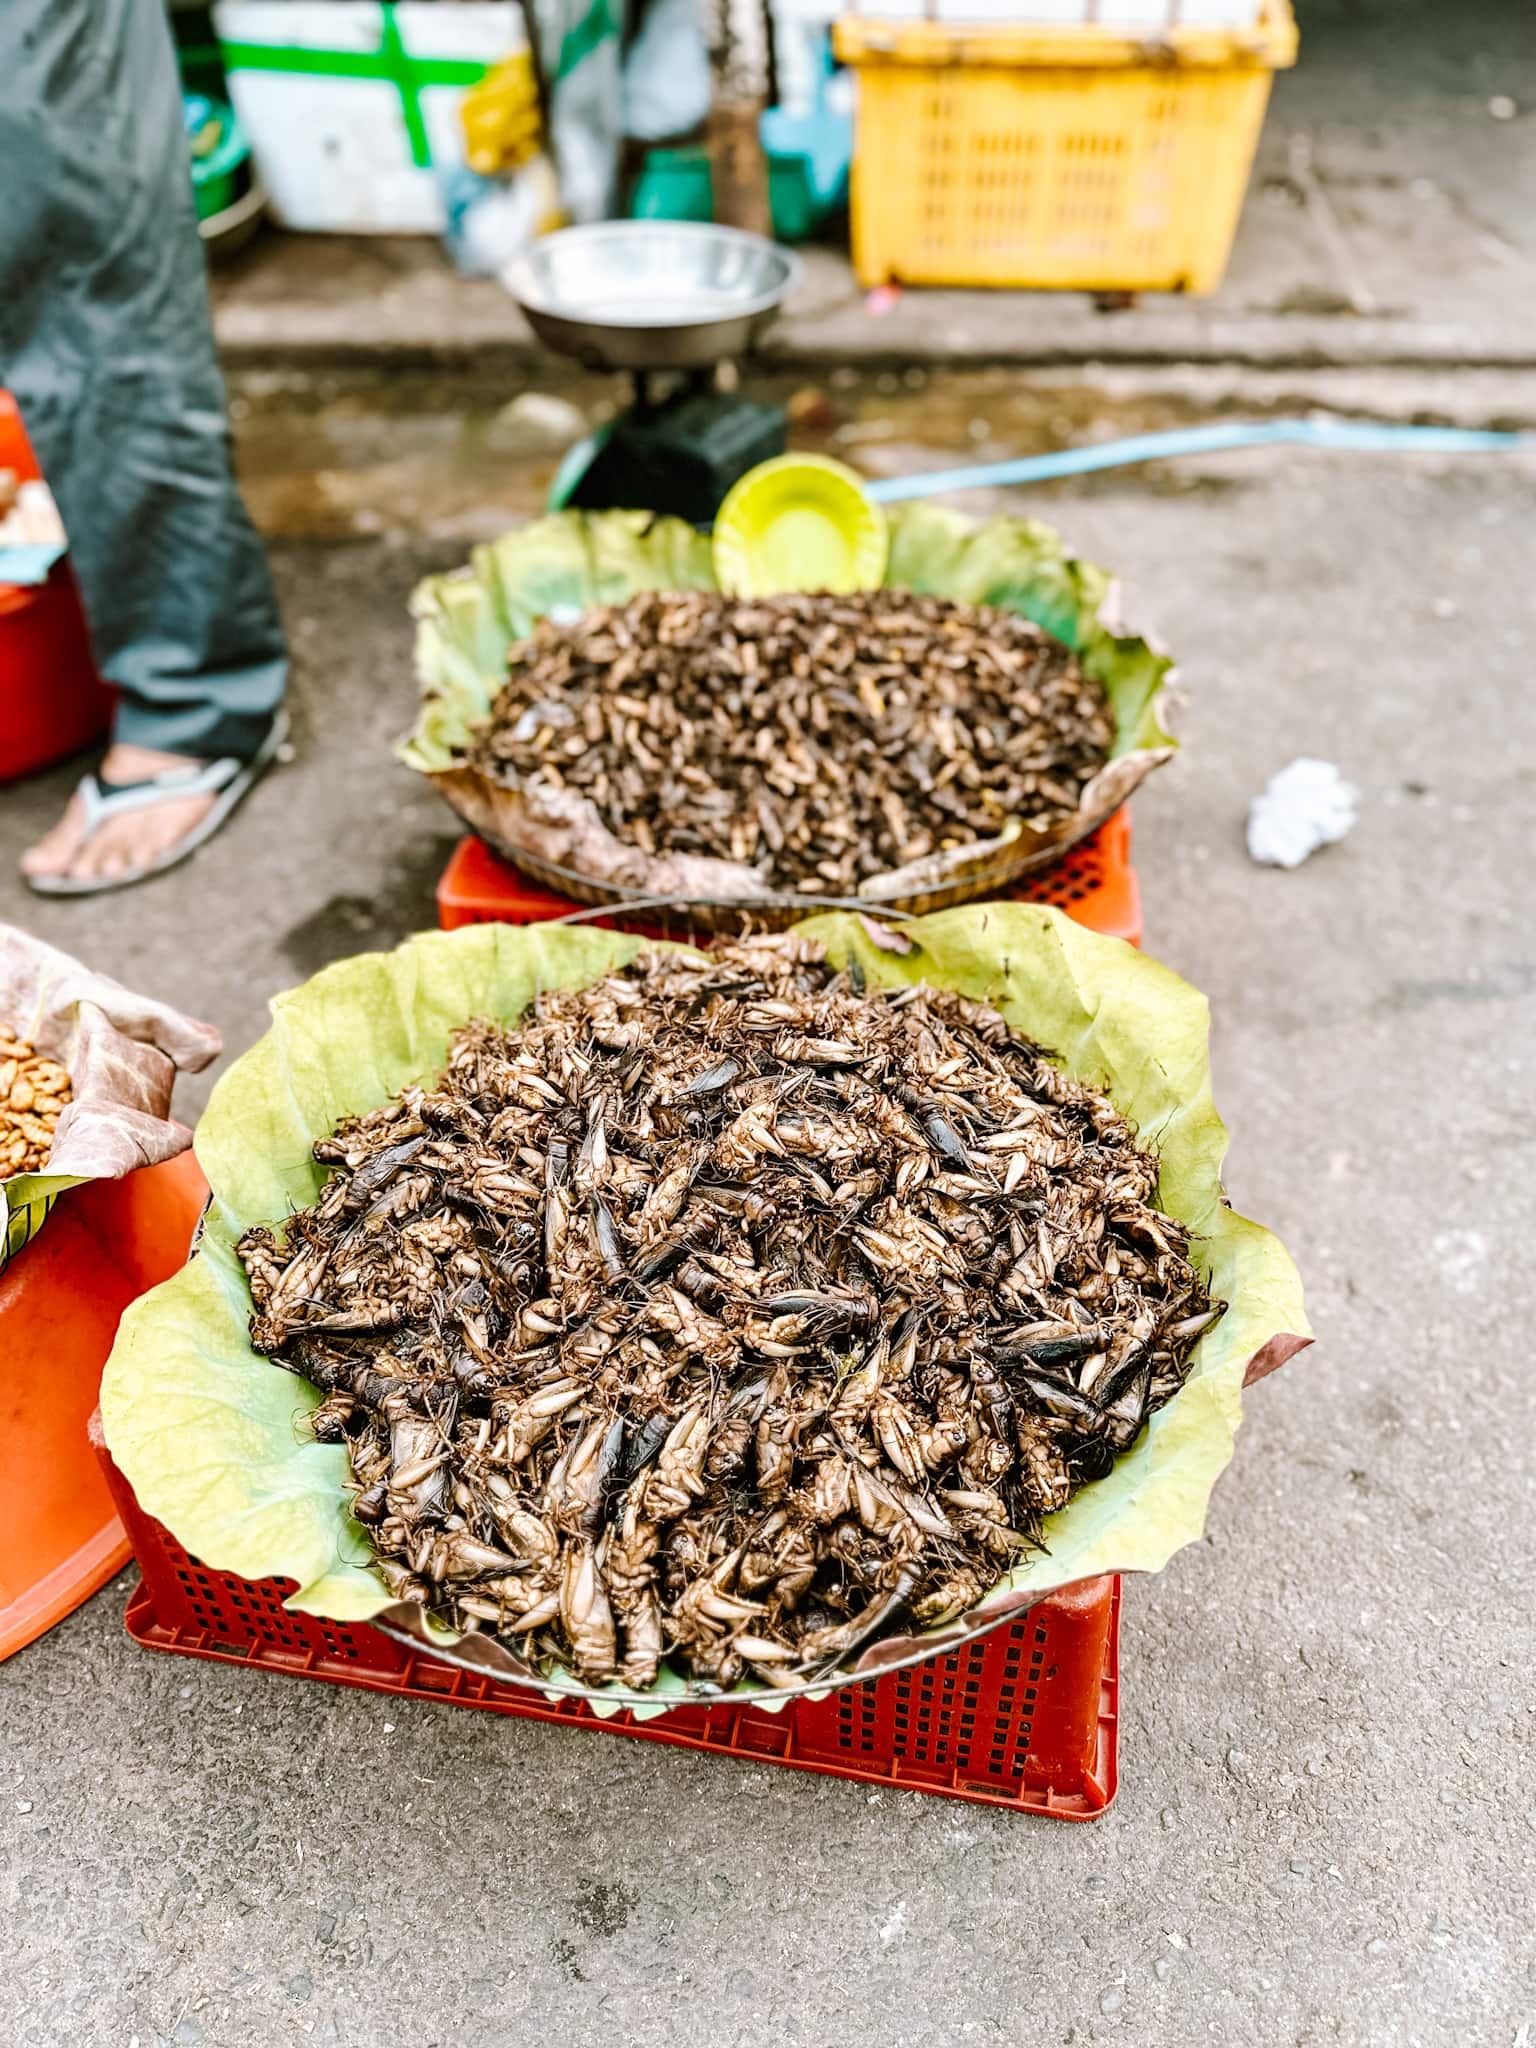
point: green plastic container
(792, 199)
(216, 175)
(676, 184)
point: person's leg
(106, 341)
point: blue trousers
(106, 342)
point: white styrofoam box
(335, 150)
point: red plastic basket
(1025, 1717)
(1094, 883)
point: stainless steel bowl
(650, 294)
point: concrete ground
(1326, 1831)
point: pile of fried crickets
(728, 1311)
(817, 740)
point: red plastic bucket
(52, 701)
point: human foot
(132, 840)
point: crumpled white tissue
(1305, 806)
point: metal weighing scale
(667, 302)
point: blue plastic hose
(1315, 433)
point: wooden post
(738, 167)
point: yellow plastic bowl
(800, 522)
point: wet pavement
(1325, 1832)
(410, 455)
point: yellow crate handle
(1270, 43)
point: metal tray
(650, 295)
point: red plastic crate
(1094, 883)
(1025, 1717)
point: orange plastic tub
(60, 1300)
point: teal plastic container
(807, 176)
(216, 170)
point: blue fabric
(106, 341)
(28, 562)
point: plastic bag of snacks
(87, 1069)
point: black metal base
(682, 455)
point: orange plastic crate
(1094, 883)
(1025, 1718)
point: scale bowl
(650, 294)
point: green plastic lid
(800, 522)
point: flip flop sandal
(226, 780)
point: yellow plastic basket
(1078, 157)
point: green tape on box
(391, 62)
